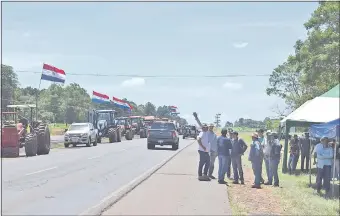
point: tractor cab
(139, 125)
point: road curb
(113, 198)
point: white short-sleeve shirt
(204, 136)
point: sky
(165, 39)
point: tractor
(139, 125)
(17, 132)
(126, 127)
(104, 122)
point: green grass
(297, 198)
(57, 128)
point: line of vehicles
(19, 131)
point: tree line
(314, 67)
(267, 123)
(66, 104)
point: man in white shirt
(213, 149)
(203, 150)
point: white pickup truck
(80, 133)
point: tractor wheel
(119, 135)
(128, 135)
(95, 142)
(142, 134)
(112, 135)
(44, 139)
(99, 139)
(31, 144)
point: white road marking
(41, 171)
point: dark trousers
(228, 166)
(323, 174)
(204, 162)
(274, 164)
(303, 158)
(261, 163)
(296, 160)
(236, 161)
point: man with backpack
(238, 149)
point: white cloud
(133, 82)
(232, 86)
(240, 45)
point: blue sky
(160, 39)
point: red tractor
(20, 132)
(139, 126)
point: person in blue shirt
(275, 155)
(223, 150)
(255, 157)
(324, 155)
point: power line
(154, 76)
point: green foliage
(314, 68)
(66, 104)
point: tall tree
(9, 82)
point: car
(80, 133)
(164, 134)
(190, 131)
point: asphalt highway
(69, 181)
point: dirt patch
(250, 201)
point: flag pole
(37, 96)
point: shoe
(256, 186)
(230, 178)
(242, 182)
(200, 178)
(276, 185)
(235, 182)
(267, 183)
(212, 177)
(206, 178)
(222, 182)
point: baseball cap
(204, 125)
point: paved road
(57, 139)
(69, 181)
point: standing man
(263, 142)
(305, 151)
(324, 155)
(275, 155)
(267, 149)
(297, 156)
(203, 151)
(223, 147)
(293, 153)
(213, 149)
(256, 158)
(238, 149)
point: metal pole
(37, 97)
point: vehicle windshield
(135, 120)
(120, 121)
(78, 127)
(163, 126)
(104, 116)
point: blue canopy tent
(331, 130)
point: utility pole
(217, 120)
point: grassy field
(294, 196)
(57, 128)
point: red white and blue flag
(120, 103)
(53, 74)
(100, 98)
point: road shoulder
(175, 190)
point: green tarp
(334, 92)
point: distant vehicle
(162, 133)
(149, 120)
(126, 127)
(80, 133)
(139, 125)
(104, 122)
(190, 131)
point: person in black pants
(305, 151)
(238, 149)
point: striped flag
(53, 74)
(100, 98)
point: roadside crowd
(323, 158)
(229, 148)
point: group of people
(229, 148)
(299, 146)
